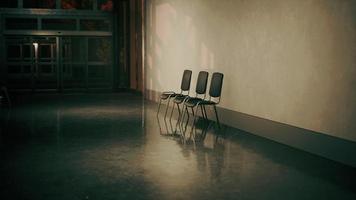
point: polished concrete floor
(112, 146)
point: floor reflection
(203, 139)
(95, 147)
(227, 163)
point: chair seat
(205, 102)
(166, 95)
(191, 102)
(179, 98)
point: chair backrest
(187, 76)
(216, 84)
(202, 82)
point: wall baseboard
(327, 146)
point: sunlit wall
(290, 61)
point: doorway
(58, 63)
(31, 62)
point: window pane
(58, 24)
(74, 76)
(73, 49)
(14, 69)
(99, 49)
(27, 69)
(8, 4)
(39, 4)
(13, 51)
(21, 23)
(45, 68)
(26, 51)
(77, 4)
(105, 5)
(97, 71)
(45, 51)
(94, 25)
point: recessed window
(8, 4)
(45, 51)
(21, 23)
(27, 69)
(73, 49)
(46, 68)
(49, 4)
(26, 51)
(14, 69)
(13, 52)
(99, 50)
(94, 25)
(78, 71)
(77, 4)
(58, 24)
(97, 71)
(105, 5)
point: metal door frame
(32, 61)
(115, 65)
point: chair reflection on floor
(197, 131)
(202, 139)
(166, 129)
(168, 126)
(169, 130)
(208, 145)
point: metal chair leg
(186, 124)
(179, 114)
(183, 114)
(195, 116)
(202, 112)
(159, 125)
(159, 106)
(206, 114)
(165, 114)
(192, 111)
(186, 109)
(170, 118)
(178, 120)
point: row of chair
(199, 100)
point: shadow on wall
(288, 61)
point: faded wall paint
(290, 61)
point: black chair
(214, 93)
(201, 82)
(200, 94)
(185, 87)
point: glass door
(59, 63)
(99, 62)
(45, 63)
(31, 63)
(19, 54)
(86, 62)
(73, 59)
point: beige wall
(290, 61)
